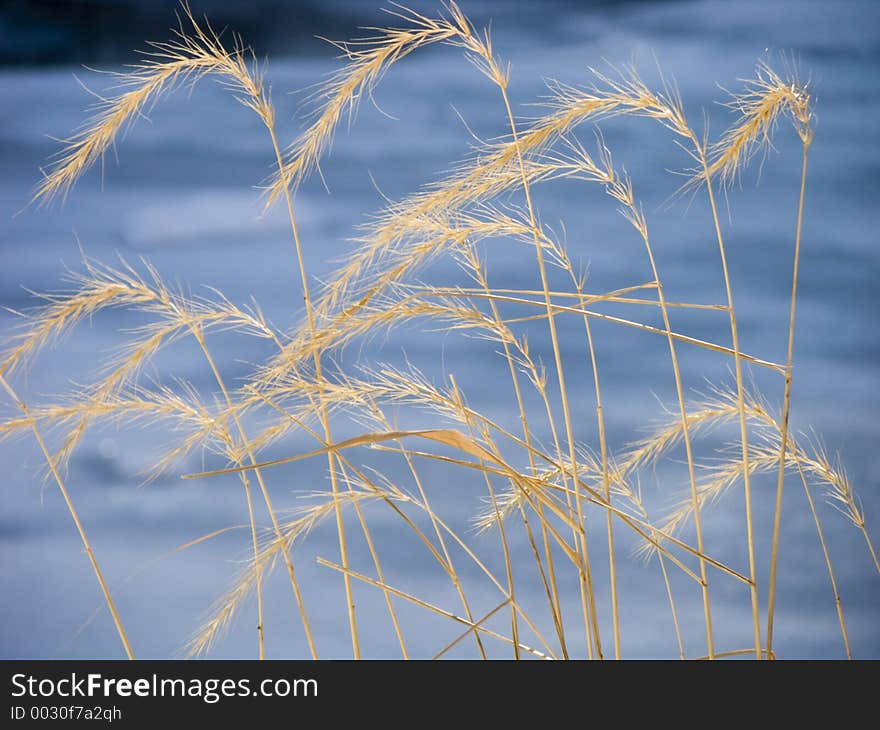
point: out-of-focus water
(182, 195)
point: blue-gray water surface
(181, 191)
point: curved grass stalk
(806, 137)
(226, 607)
(734, 333)
(397, 387)
(367, 536)
(340, 527)
(840, 495)
(507, 339)
(586, 583)
(367, 67)
(622, 191)
(111, 606)
(603, 448)
(182, 316)
(481, 565)
(562, 308)
(398, 631)
(759, 112)
(142, 404)
(491, 295)
(838, 604)
(766, 459)
(759, 108)
(343, 464)
(499, 169)
(583, 299)
(668, 110)
(106, 287)
(642, 528)
(199, 336)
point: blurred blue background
(183, 196)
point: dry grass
(542, 486)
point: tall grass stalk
(50, 463)
(786, 403)
(588, 601)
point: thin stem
(70, 508)
(446, 556)
(586, 580)
(637, 501)
(628, 323)
(606, 482)
(197, 333)
(685, 430)
(366, 531)
(740, 396)
(325, 421)
(505, 549)
(585, 298)
(672, 606)
(870, 547)
(838, 605)
(398, 632)
(259, 577)
(786, 406)
(508, 566)
(550, 588)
